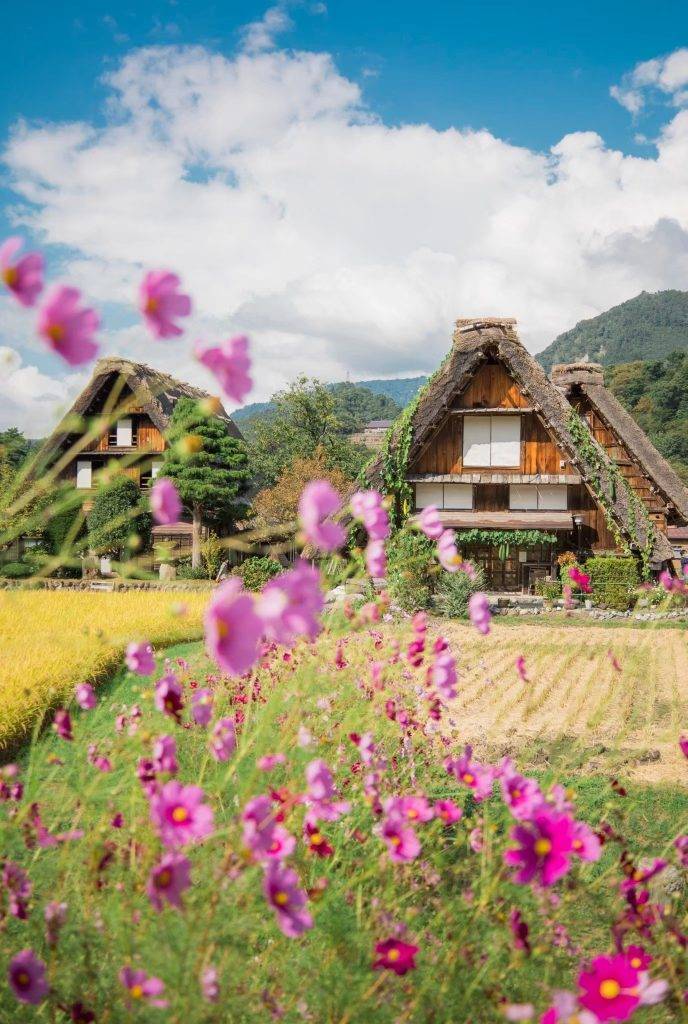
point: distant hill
(650, 326)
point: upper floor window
(123, 434)
(447, 496)
(538, 497)
(492, 441)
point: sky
(340, 180)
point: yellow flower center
(222, 629)
(542, 847)
(393, 955)
(136, 991)
(395, 841)
(164, 878)
(316, 839)
(10, 275)
(468, 778)
(516, 794)
(180, 814)
(23, 980)
(412, 813)
(55, 332)
(151, 305)
(636, 962)
(281, 898)
(578, 844)
(609, 988)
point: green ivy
(504, 540)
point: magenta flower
(26, 975)
(522, 796)
(521, 668)
(169, 696)
(223, 739)
(66, 327)
(609, 989)
(317, 503)
(281, 887)
(401, 840)
(581, 579)
(202, 706)
(430, 523)
(161, 303)
(269, 761)
(447, 811)
(443, 675)
(410, 808)
(165, 755)
(479, 612)
(17, 885)
(139, 658)
(395, 955)
(319, 780)
(683, 744)
(85, 696)
(586, 843)
(230, 364)
(168, 880)
(259, 825)
(179, 814)
(565, 1010)
(290, 605)
(98, 760)
(681, 846)
(282, 845)
(22, 277)
(447, 553)
(232, 628)
(140, 986)
(165, 502)
(479, 778)
(376, 559)
(62, 724)
(210, 986)
(545, 848)
(368, 507)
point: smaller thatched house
(517, 467)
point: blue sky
(339, 179)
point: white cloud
(261, 35)
(342, 244)
(30, 399)
(665, 76)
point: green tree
(304, 419)
(15, 447)
(208, 466)
(117, 516)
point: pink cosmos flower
(223, 739)
(317, 503)
(179, 814)
(62, 724)
(609, 989)
(290, 604)
(683, 744)
(98, 760)
(395, 955)
(521, 668)
(580, 578)
(317, 843)
(269, 761)
(447, 811)
(565, 1010)
(165, 502)
(443, 675)
(202, 706)
(367, 506)
(165, 755)
(410, 808)
(232, 628)
(545, 848)
(169, 696)
(282, 845)
(139, 658)
(140, 986)
(85, 696)
(447, 553)
(681, 845)
(22, 277)
(67, 328)
(168, 880)
(230, 364)
(479, 778)
(259, 825)
(161, 302)
(479, 612)
(281, 887)
(430, 524)
(401, 840)
(27, 978)
(522, 795)
(319, 781)
(210, 986)
(376, 559)
(17, 885)
(586, 843)
(518, 1011)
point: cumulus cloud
(342, 244)
(30, 399)
(666, 77)
(261, 35)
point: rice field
(595, 698)
(53, 640)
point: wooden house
(500, 449)
(122, 415)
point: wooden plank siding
(148, 437)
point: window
(155, 469)
(448, 496)
(428, 494)
(492, 441)
(545, 497)
(124, 433)
(149, 474)
(83, 473)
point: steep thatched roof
(475, 342)
(155, 392)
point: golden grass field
(575, 708)
(51, 640)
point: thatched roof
(155, 392)
(476, 341)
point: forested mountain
(650, 326)
(655, 392)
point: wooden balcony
(475, 520)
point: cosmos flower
(202, 706)
(161, 302)
(400, 838)
(430, 524)
(318, 502)
(230, 363)
(479, 778)
(27, 977)
(169, 696)
(395, 955)
(17, 885)
(545, 848)
(259, 825)
(168, 879)
(62, 724)
(281, 888)
(447, 811)
(165, 503)
(290, 604)
(443, 675)
(232, 628)
(223, 739)
(85, 696)
(140, 985)
(165, 755)
(368, 507)
(66, 327)
(447, 553)
(609, 989)
(376, 559)
(522, 795)
(23, 278)
(479, 612)
(139, 658)
(410, 808)
(580, 578)
(179, 814)
(317, 843)
(210, 987)
(269, 761)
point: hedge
(613, 580)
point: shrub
(212, 555)
(411, 570)
(257, 570)
(113, 521)
(15, 570)
(454, 590)
(613, 580)
(188, 572)
(551, 590)
(60, 525)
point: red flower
(317, 843)
(395, 955)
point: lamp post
(578, 521)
